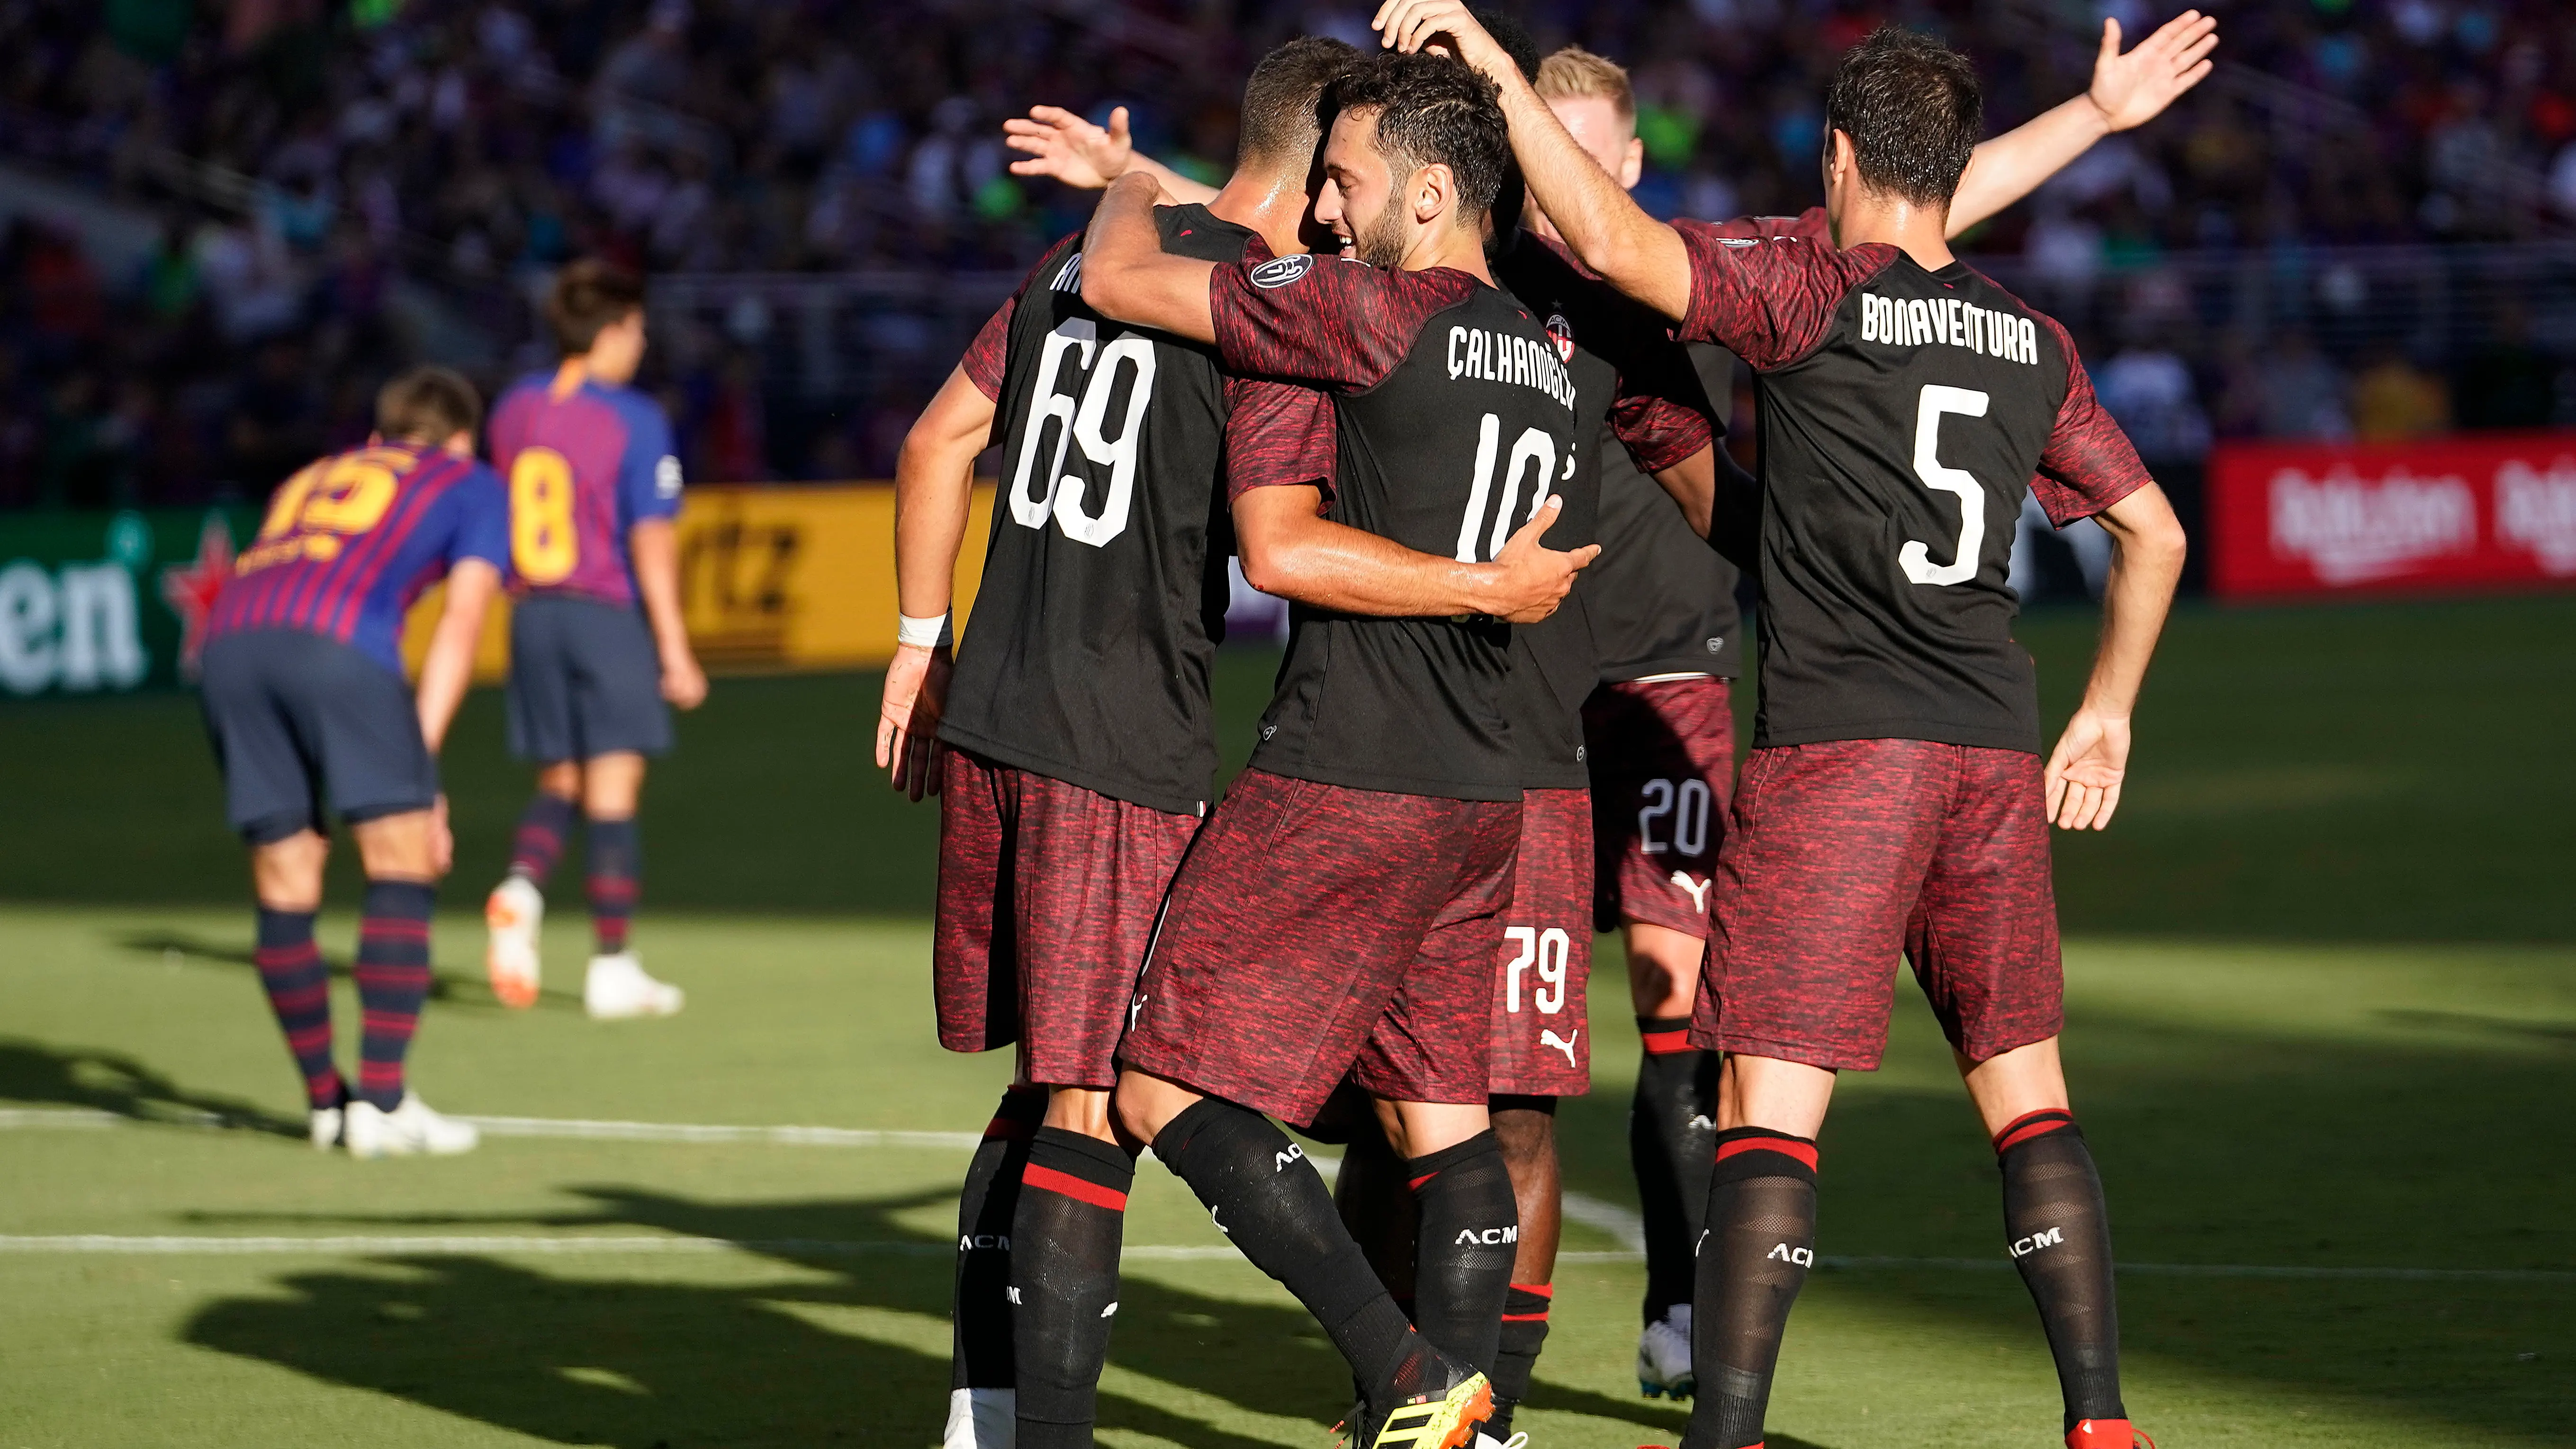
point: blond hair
(1574, 72)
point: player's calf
(1761, 1242)
(1672, 1142)
(1526, 1127)
(1065, 1240)
(982, 1397)
(299, 991)
(2059, 1234)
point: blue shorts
(298, 719)
(585, 681)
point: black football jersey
(1635, 394)
(1661, 601)
(1455, 417)
(1087, 655)
(1905, 414)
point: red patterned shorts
(1663, 764)
(1319, 931)
(1047, 899)
(1847, 852)
(1539, 1046)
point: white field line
(1620, 1223)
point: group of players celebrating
(304, 699)
(1424, 368)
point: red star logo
(191, 590)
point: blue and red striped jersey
(585, 465)
(353, 539)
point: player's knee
(1143, 1105)
(561, 780)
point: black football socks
(1468, 1235)
(1672, 1141)
(1761, 1241)
(539, 842)
(1262, 1193)
(393, 980)
(299, 991)
(1516, 1355)
(2059, 1234)
(1064, 1282)
(980, 1347)
(1378, 1209)
(616, 879)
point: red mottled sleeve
(1323, 321)
(1769, 301)
(985, 355)
(2089, 463)
(1661, 413)
(1277, 434)
(988, 356)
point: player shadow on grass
(104, 1081)
(802, 1359)
(450, 991)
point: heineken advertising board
(96, 603)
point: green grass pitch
(2322, 1033)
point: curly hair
(1433, 110)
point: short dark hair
(428, 405)
(1434, 110)
(588, 295)
(1283, 104)
(1514, 37)
(1913, 110)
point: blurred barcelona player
(598, 652)
(305, 703)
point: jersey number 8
(1059, 495)
(542, 547)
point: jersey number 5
(1059, 494)
(542, 547)
(1916, 557)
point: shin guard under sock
(1064, 1282)
(540, 840)
(1262, 1193)
(1516, 1358)
(1672, 1141)
(299, 991)
(979, 1354)
(616, 870)
(1761, 1241)
(393, 980)
(1468, 1234)
(2059, 1233)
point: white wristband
(922, 633)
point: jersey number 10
(1535, 451)
(1059, 495)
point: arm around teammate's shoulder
(1128, 277)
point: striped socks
(1065, 1240)
(2058, 1231)
(540, 841)
(299, 991)
(393, 981)
(1761, 1240)
(616, 862)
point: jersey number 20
(1058, 494)
(1916, 557)
(542, 547)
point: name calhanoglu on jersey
(1951, 321)
(1501, 357)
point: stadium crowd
(308, 157)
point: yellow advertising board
(773, 578)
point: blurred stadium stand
(221, 223)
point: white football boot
(617, 989)
(511, 916)
(1518, 1440)
(409, 1130)
(1664, 1356)
(981, 1419)
(325, 1128)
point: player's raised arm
(933, 489)
(1070, 149)
(2128, 90)
(1636, 253)
(1127, 276)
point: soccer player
(304, 701)
(1340, 914)
(1660, 730)
(598, 652)
(1908, 405)
(1078, 741)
